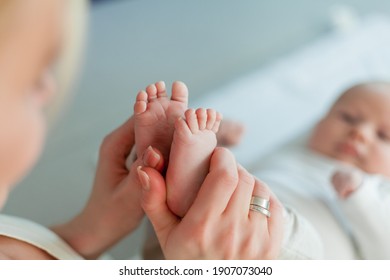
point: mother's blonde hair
(69, 60)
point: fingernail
(151, 158)
(144, 178)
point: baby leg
(194, 141)
(155, 115)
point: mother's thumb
(154, 203)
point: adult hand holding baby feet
(346, 181)
(219, 224)
(188, 143)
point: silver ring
(260, 209)
(259, 201)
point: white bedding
(282, 100)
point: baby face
(356, 130)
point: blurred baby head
(356, 130)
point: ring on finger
(260, 209)
(259, 201)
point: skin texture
(155, 114)
(194, 141)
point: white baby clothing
(354, 228)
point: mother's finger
(218, 186)
(240, 200)
(153, 202)
(276, 224)
(118, 144)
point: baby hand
(346, 181)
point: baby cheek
(386, 166)
(379, 161)
(321, 138)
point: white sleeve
(368, 211)
(301, 240)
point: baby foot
(230, 133)
(193, 143)
(155, 115)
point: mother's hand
(113, 209)
(219, 224)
